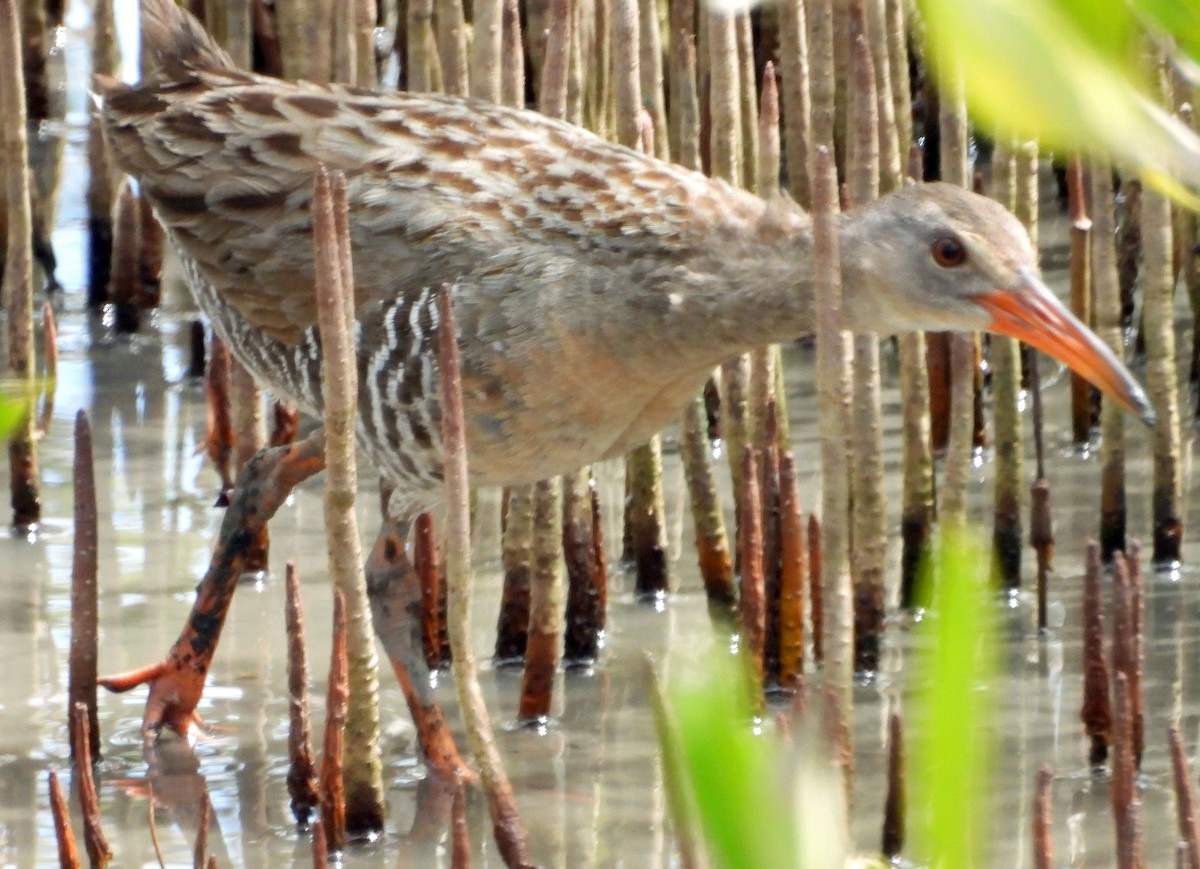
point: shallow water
(590, 788)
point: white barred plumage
(594, 289)
(594, 286)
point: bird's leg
(394, 589)
(177, 681)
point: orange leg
(395, 592)
(177, 682)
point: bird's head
(937, 257)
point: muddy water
(590, 786)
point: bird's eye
(949, 252)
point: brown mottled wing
(438, 188)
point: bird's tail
(176, 41)
(180, 48)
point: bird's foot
(175, 688)
(437, 744)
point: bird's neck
(753, 285)
(630, 364)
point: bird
(594, 287)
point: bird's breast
(564, 405)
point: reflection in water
(591, 787)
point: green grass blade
(1064, 73)
(951, 744)
(732, 772)
(12, 412)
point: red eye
(949, 252)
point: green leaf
(12, 413)
(1179, 19)
(1114, 33)
(951, 744)
(1069, 73)
(761, 805)
(732, 772)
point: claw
(441, 754)
(172, 700)
(177, 682)
(130, 679)
(167, 712)
(454, 771)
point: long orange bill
(1033, 314)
